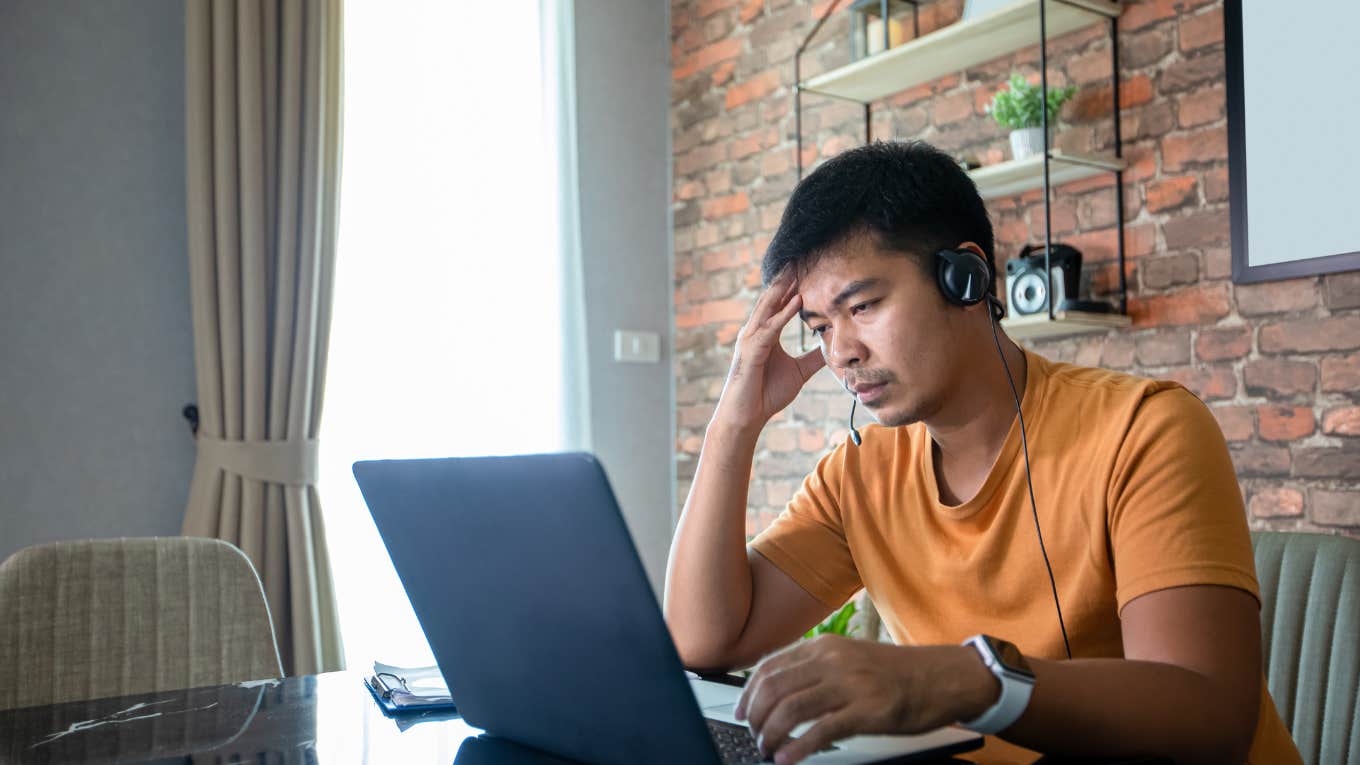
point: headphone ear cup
(963, 276)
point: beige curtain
(263, 144)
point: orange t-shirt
(1135, 493)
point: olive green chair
(1310, 632)
(115, 617)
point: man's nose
(844, 350)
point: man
(1134, 494)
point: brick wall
(1279, 363)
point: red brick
(712, 313)
(753, 89)
(745, 146)
(1276, 297)
(1117, 351)
(1344, 421)
(1165, 348)
(781, 439)
(707, 56)
(722, 73)
(811, 440)
(709, 7)
(1328, 462)
(1220, 344)
(1276, 503)
(1193, 305)
(1285, 423)
(1252, 459)
(1335, 508)
(1208, 382)
(1342, 290)
(721, 207)
(1171, 192)
(751, 9)
(1086, 68)
(1235, 421)
(1201, 107)
(1201, 146)
(1278, 377)
(1192, 72)
(728, 257)
(1216, 187)
(1140, 14)
(773, 163)
(689, 190)
(1135, 91)
(953, 108)
(1341, 374)
(1201, 30)
(1337, 333)
(1196, 230)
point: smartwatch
(1017, 683)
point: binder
(400, 690)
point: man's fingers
(776, 686)
(825, 732)
(764, 668)
(773, 296)
(790, 711)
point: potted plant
(1018, 108)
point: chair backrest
(98, 618)
(1310, 633)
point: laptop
(536, 605)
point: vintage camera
(1028, 292)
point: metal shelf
(1063, 323)
(955, 48)
(1018, 175)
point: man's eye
(817, 331)
(862, 307)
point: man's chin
(892, 417)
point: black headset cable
(1024, 442)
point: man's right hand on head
(764, 378)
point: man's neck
(968, 434)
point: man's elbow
(1229, 738)
(699, 652)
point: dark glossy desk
(327, 718)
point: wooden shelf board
(954, 48)
(1016, 176)
(1063, 323)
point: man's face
(885, 329)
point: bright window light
(446, 338)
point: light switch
(637, 347)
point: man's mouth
(867, 393)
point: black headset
(965, 279)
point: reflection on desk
(327, 718)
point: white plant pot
(1027, 142)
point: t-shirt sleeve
(807, 541)
(1176, 514)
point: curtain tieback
(292, 462)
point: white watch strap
(1007, 709)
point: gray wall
(96, 356)
(623, 86)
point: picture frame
(1291, 164)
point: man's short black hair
(911, 197)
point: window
(447, 337)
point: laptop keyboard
(735, 743)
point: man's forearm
(1118, 707)
(708, 578)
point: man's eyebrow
(851, 289)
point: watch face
(1009, 656)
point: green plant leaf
(1020, 105)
